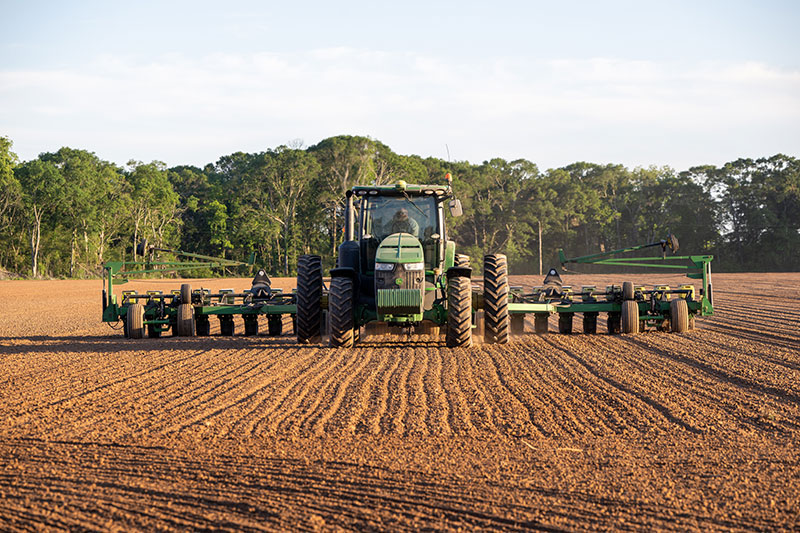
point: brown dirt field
(655, 431)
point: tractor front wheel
(495, 299)
(308, 319)
(459, 313)
(340, 312)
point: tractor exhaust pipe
(349, 218)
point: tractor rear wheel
(630, 317)
(459, 313)
(461, 260)
(627, 290)
(186, 293)
(184, 326)
(495, 299)
(340, 312)
(135, 321)
(309, 297)
(679, 316)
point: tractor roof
(400, 188)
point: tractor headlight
(414, 266)
(384, 267)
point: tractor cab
(419, 218)
(396, 250)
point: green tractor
(396, 267)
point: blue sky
(637, 83)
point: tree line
(66, 213)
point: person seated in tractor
(402, 223)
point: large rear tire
(630, 317)
(309, 298)
(340, 312)
(459, 313)
(679, 316)
(135, 321)
(184, 326)
(495, 299)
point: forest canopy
(65, 213)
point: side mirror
(455, 207)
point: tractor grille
(409, 279)
(400, 301)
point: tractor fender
(345, 272)
(459, 272)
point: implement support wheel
(309, 297)
(630, 317)
(679, 316)
(134, 320)
(495, 299)
(184, 326)
(186, 293)
(627, 290)
(340, 312)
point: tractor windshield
(383, 216)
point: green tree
(43, 187)
(11, 207)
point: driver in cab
(402, 223)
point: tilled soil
(655, 431)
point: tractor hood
(400, 248)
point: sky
(639, 83)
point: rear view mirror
(455, 207)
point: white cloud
(184, 110)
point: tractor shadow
(110, 344)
